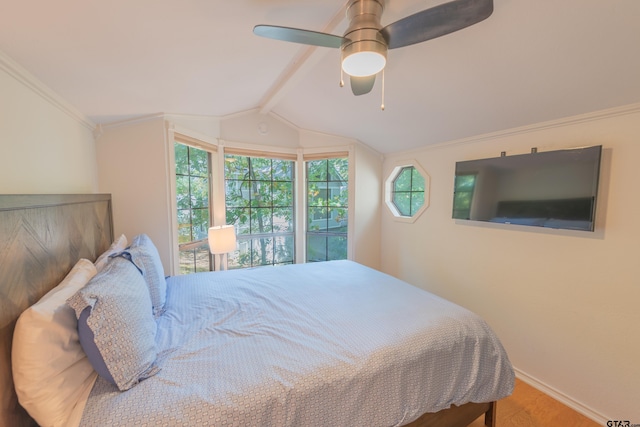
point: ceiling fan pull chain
(382, 104)
(341, 77)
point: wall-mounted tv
(554, 189)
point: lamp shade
(222, 239)
(364, 58)
(363, 64)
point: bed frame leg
(490, 415)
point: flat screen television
(554, 189)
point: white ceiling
(530, 62)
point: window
(193, 168)
(463, 196)
(327, 208)
(406, 191)
(259, 195)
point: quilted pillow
(118, 329)
(50, 369)
(145, 255)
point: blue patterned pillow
(116, 326)
(145, 255)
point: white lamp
(222, 240)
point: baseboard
(562, 398)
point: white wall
(46, 147)
(566, 304)
(255, 128)
(132, 166)
(368, 202)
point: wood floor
(528, 407)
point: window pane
(341, 196)
(184, 226)
(417, 181)
(261, 221)
(317, 170)
(260, 169)
(317, 194)
(403, 203)
(283, 220)
(187, 261)
(282, 170)
(317, 219)
(200, 223)
(183, 199)
(182, 159)
(260, 193)
(284, 250)
(403, 180)
(199, 192)
(236, 167)
(316, 248)
(336, 247)
(240, 217)
(262, 251)
(337, 219)
(282, 194)
(202, 258)
(198, 162)
(338, 170)
(417, 200)
(236, 193)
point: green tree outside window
(327, 209)
(259, 197)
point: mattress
(332, 343)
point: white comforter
(322, 344)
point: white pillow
(118, 245)
(50, 370)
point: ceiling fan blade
(362, 85)
(297, 35)
(436, 21)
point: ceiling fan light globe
(362, 64)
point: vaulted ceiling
(530, 62)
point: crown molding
(565, 121)
(23, 76)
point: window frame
(326, 234)
(389, 191)
(250, 238)
(193, 245)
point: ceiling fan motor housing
(363, 39)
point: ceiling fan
(365, 43)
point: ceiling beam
(304, 61)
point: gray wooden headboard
(41, 238)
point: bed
(306, 344)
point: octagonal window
(407, 191)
